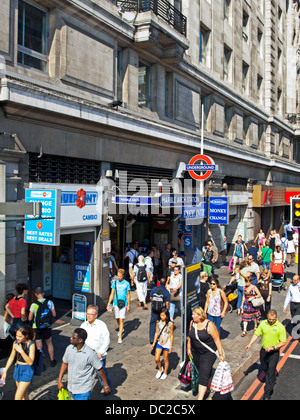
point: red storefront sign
(290, 194)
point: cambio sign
(81, 205)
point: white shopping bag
(1, 373)
(222, 380)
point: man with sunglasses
(273, 338)
(253, 268)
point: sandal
(244, 333)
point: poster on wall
(82, 278)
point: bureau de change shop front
(63, 243)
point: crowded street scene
(149, 202)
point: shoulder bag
(156, 341)
(120, 302)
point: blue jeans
(103, 362)
(266, 265)
(217, 320)
(240, 296)
(81, 397)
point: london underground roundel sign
(207, 168)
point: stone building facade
(94, 86)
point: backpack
(142, 273)
(158, 301)
(283, 244)
(43, 315)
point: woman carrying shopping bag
(204, 345)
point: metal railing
(161, 8)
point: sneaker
(163, 376)
(120, 341)
(53, 363)
(159, 373)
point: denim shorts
(23, 373)
(81, 397)
(158, 346)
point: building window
(279, 101)
(259, 89)
(32, 36)
(245, 26)
(169, 94)
(245, 78)
(120, 75)
(204, 41)
(279, 58)
(145, 85)
(227, 73)
(259, 42)
(227, 120)
(227, 11)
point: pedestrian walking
(293, 299)
(249, 312)
(22, 355)
(238, 252)
(98, 338)
(165, 257)
(160, 298)
(174, 287)
(179, 260)
(273, 338)
(265, 288)
(203, 343)
(266, 255)
(253, 269)
(120, 299)
(81, 361)
(156, 262)
(259, 240)
(216, 304)
(278, 255)
(130, 259)
(203, 289)
(42, 313)
(141, 277)
(165, 337)
(17, 308)
(290, 253)
(208, 259)
(283, 245)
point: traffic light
(295, 211)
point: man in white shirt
(98, 337)
(293, 298)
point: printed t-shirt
(122, 289)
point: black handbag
(120, 302)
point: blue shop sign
(44, 230)
(218, 211)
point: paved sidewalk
(132, 368)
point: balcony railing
(161, 8)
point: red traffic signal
(295, 211)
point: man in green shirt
(273, 338)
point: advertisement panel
(45, 230)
